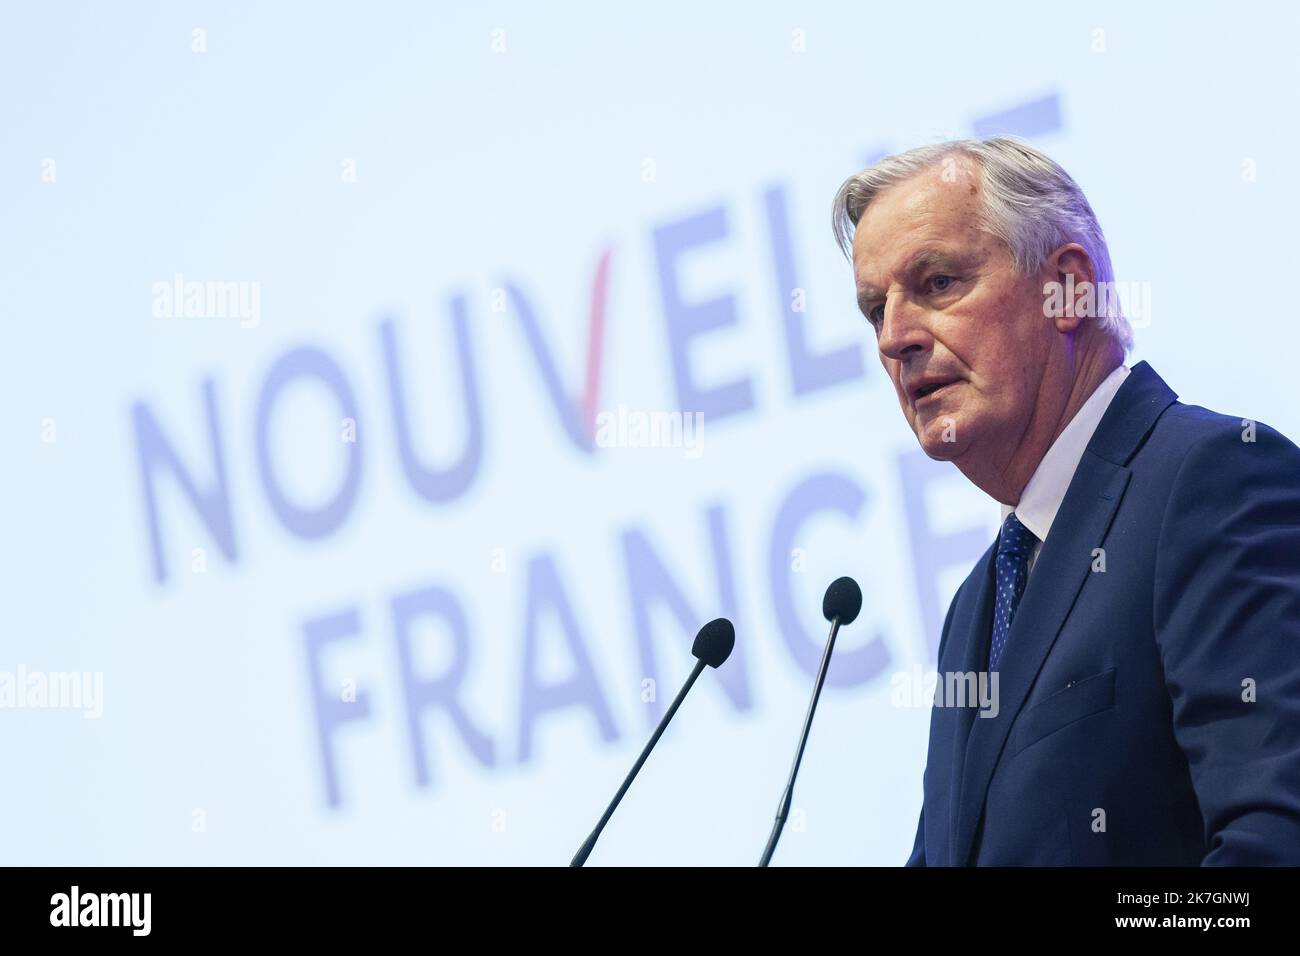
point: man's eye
(876, 315)
(940, 283)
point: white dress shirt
(1046, 489)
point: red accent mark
(595, 343)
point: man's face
(948, 308)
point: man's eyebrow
(920, 262)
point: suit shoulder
(1184, 428)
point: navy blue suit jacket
(1149, 713)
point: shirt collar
(1046, 489)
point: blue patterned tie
(1015, 545)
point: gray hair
(1030, 203)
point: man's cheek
(911, 420)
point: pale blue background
(475, 168)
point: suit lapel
(1062, 566)
(975, 647)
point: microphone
(712, 646)
(841, 605)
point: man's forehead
(927, 217)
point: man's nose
(904, 330)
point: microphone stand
(584, 851)
(783, 810)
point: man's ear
(1070, 287)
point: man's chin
(941, 452)
(939, 442)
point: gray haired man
(1141, 604)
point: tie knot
(1015, 540)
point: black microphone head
(843, 600)
(714, 642)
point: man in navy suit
(1139, 613)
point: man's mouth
(933, 388)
